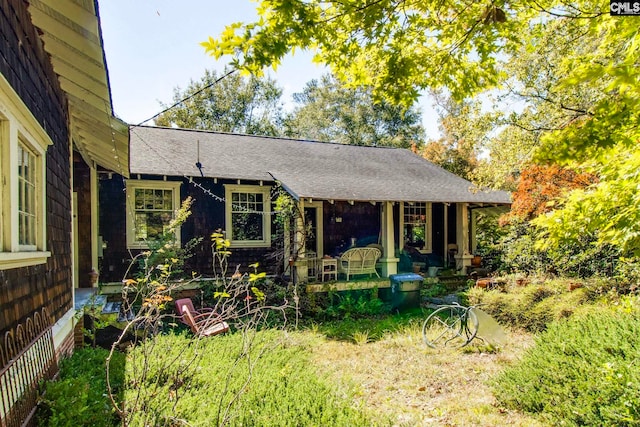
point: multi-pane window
(27, 190)
(248, 222)
(23, 149)
(416, 220)
(154, 211)
(150, 209)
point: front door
(314, 228)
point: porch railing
(27, 356)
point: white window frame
(266, 215)
(132, 185)
(19, 127)
(428, 240)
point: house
(350, 195)
(56, 130)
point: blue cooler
(405, 290)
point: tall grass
(224, 381)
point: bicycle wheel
(450, 326)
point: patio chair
(203, 323)
(359, 261)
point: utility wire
(187, 98)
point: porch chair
(203, 323)
(359, 261)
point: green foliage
(571, 69)
(395, 50)
(249, 105)
(583, 371)
(212, 380)
(431, 290)
(627, 274)
(354, 304)
(79, 397)
(165, 256)
(533, 307)
(374, 327)
(580, 257)
(610, 211)
(465, 129)
(326, 111)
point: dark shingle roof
(309, 169)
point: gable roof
(308, 169)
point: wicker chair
(359, 261)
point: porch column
(463, 258)
(388, 261)
(472, 228)
(93, 177)
(300, 263)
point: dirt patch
(418, 386)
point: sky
(153, 46)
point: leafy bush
(79, 397)
(518, 253)
(353, 305)
(531, 307)
(627, 274)
(432, 290)
(583, 371)
(221, 381)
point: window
(23, 145)
(27, 187)
(417, 225)
(248, 215)
(150, 208)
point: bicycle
(450, 326)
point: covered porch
(419, 237)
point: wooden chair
(203, 323)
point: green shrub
(432, 290)
(79, 397)
(353, 305)
(582, 371)
(583, 258)
(531, 307)
(227, 381)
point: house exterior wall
(26, 67)
(342, 221)
(207, 216)
(438, 230)
(82, 188)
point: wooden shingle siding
(208, 215)
(113, 227)
(82, 186)
(26, 67)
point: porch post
(463, 258)
(93, 177)
(300, 263)
(472, 228)
(388, 261)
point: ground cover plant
(541, 301)
(79, 397)
(271, 382)
(371, 328)
(581, 371)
